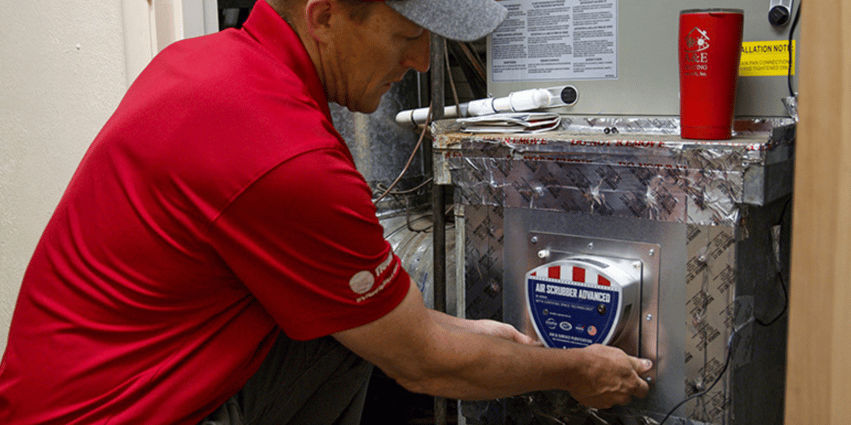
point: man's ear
(317, 16)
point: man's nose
(418, 56)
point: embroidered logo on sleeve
(363, 283)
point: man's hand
(610, 377)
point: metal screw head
(652, 252)
(636, 264)
(534, 239)
(649, 317)
(590, 245)
(648, 379)
(544, 253)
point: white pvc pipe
(524, 100)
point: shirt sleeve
(304, 239)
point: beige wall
(63, 70)
(64, 66)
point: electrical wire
(413, 189)
(779, 274)
(785, 305)
(451, 80)
(791, 53)
(717, 379)
(420, 141)
(422, 136)
(410, 159)
(410, 223)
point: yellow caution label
(766, 58)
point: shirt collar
(273, 33)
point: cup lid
(712, 10)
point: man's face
(367, 57)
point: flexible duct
(412, 240)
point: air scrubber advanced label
(556, 40)
(570, 314)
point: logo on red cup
(697, 40)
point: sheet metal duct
(706, 223)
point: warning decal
(766, 58)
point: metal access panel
(660, 249)
(622, 55)
(581, 290)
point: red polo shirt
(217, 207)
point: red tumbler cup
(710, 45)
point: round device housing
(578, 301)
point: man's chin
(364, 108)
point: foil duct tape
(651, 176)
(710, 308)
(646, 125)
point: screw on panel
(590, 245)
(534, 239)
(636, 264)
(544, 253)
(649, 317)
(652, 251)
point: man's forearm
(478, 366)
(482, 326)
(446, 320)
(437, 354)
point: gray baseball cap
(463, 20)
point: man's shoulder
(216, 124)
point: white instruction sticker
(556, 40)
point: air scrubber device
(582, 300)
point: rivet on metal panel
(534, 239)
(649, 317)
(544, 253)
(652, 251)
(590, 245)
(636, 264)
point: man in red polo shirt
(216, 257)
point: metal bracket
(627, 254)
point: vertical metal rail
(438, 51)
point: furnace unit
(614, 230)
(673, 250)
